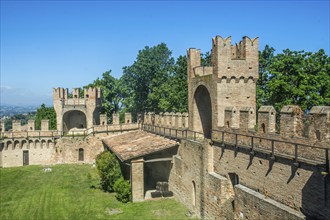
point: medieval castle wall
(26, 146)
(248, 167)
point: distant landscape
(11, 110)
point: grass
(71, 192)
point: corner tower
(229, 82)
(76, 112)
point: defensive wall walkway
(296, 152)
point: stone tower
(229, 83)
(76, 112)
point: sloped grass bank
(71, 192)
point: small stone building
(146, 158)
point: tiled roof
(136, 144)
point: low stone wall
(67, 150)
(250, 204)
(48, 152)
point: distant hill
(10, 110)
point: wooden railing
(294, 151)
(174, 133)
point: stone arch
(202, 111)
(74, 119)
(16, 144)
(8, 145)
(49, 143)
(24, 144)
(37, 144)
(31, 144)
(43, 144)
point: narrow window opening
(263, 126)
(81, 154)
(193, 193)
(318, 134)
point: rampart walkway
(296, 152)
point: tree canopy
(44, 112)
(293, 78)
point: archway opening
(74, 119)
(202, 115)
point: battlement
(238, 60)
(314, 126)
(167, 119)
(89, 93)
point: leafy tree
(206, 59)
(109, 170)
(265, 59)
(123, 190)
(45, 113)
(175, 92)
(111, 93)
(294, 77)
(143, 80)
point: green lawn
(71, 192)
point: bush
(123, 190)
(109, 170)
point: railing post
(273, 151)
(327, 161)
(194, 135)
(296, 163)
(252, 146)
(107, 129)
(223, 139)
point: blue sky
(48, 44)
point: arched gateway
(202, 111)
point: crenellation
(115, 118)
(291, 123)
(2, 125)
(266, 120)
(231, 117)
(319, 128)
(247, 118)
(128, 118)
(31, 125)
(16, 125)
(45, 125)
(103, 119)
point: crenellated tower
(229, 83)
(76, 112)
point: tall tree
(111, 93)
(266, 57)
(144, 78)
(44, 112)
(175, 95)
